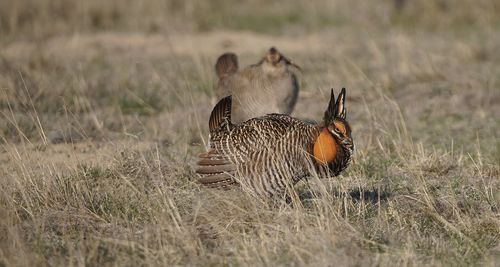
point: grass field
(105, 104)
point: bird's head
(335, 138)
(275, 61)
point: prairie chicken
(266, 87)
(271, 153)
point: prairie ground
(105, 105)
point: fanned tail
(226, 65)
(220, 117)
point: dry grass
(126, 89)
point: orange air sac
(325, 147)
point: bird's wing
(233, 148)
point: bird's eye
(336, 130)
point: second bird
(266, 87)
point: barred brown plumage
(266, 87)
(271, 153)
